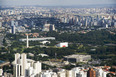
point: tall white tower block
(24, 67)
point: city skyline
(56, 2)
(57, 38)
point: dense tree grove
(99, 37)
(51, 51)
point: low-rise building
(44, 42)
(77, 58)
(48, 73)
(63, 44)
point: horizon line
(64, 5)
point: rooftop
(76, 56)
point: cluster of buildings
(19, 18)
(16, 28)
(48, 27)
(88, 21)
(23, 67)
(45, 11)
(76, 72)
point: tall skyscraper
(91, 73)
(13, 27)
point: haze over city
(57, 38)
(56, 2)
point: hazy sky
(56, 2)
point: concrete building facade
(24, 67)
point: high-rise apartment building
(24, 67)
(14, 24)
(13, 27)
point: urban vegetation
(79, 43)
